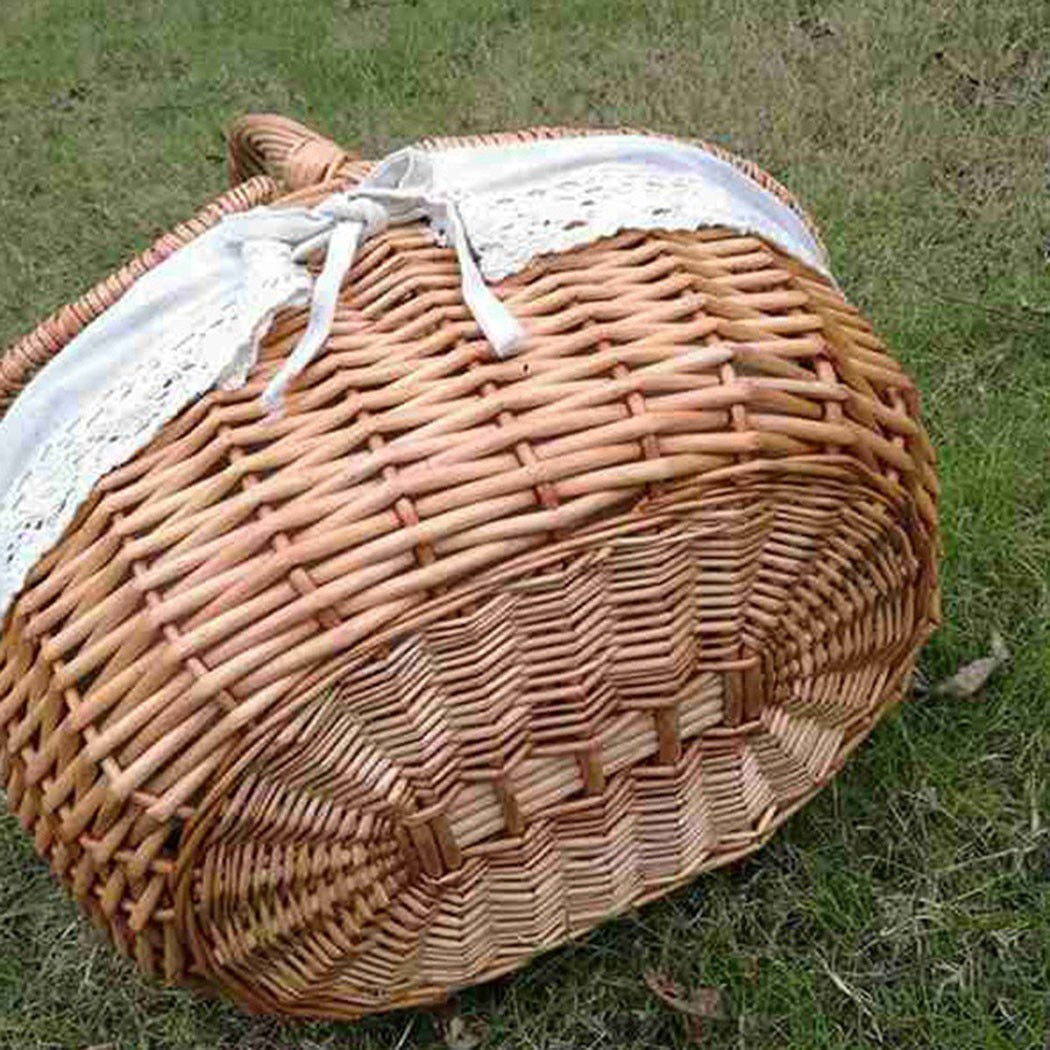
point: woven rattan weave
(339, 711)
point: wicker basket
(339, 712)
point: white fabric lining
(196, 320)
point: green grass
(909, 906)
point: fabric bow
(401, 190)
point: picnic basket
(340, 711)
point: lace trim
(214, 344)
(511, 227)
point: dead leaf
(970, 679)
(694, 1004)
(464, 1033)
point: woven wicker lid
(343, 711)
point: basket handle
(293, 155)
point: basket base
(565, 740)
